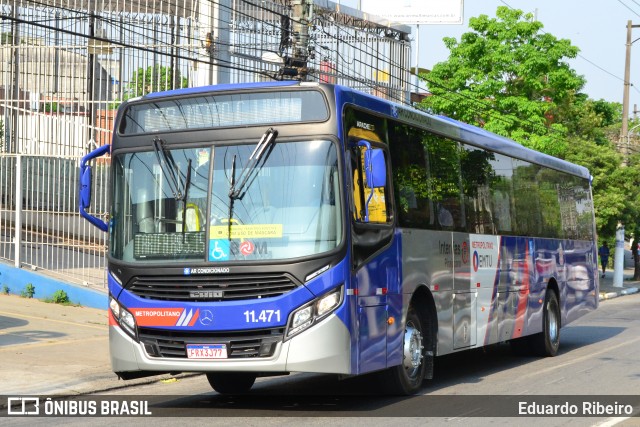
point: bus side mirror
(376, 170)
(84, 196)
(85, 187)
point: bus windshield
(288, 206)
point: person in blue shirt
(604, 256)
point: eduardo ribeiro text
(566, 408)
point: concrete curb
(608, 295)
(621, 292)
(16, 280)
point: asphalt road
(599, 357)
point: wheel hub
(553, 325)
(412, 350)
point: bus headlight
(309, 314)
(124, 318)
(329, 303)
(301, 319)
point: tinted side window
(440, 184)
(548, 183)
(427, 179)
(477, 177)
(501, 189)
(444, 167)
(409, 161)
(526, 198)
(576, 208)
(584, 210)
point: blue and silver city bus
(269, 228)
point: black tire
(406, 378)
(231, 382)
(547, 342)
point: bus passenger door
(464, 294)
(375, 258)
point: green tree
(616, 190)
(509, 77)
(597, 121)
(155, 79)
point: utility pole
(618, 265)
(624, 137)
(214, 18)
(295, 66)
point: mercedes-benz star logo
(206, 317)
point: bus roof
(443, 125)
(458, 130)
(218, 88)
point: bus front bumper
(323, 348)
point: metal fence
(66, 65)
(39, 223)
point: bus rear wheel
(231, 382)
(406, 378)
(547, 342)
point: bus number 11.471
(264, 316)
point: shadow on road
(329, 395)
(10, 337)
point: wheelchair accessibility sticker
(219, 250)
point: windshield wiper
(171, 171)
(231, 199)
(268, 138)
(187, 183)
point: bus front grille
(239, 344)
(212, 288)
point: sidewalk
(629, 286)
(49, 349)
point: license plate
(206, 351)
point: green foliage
(60, 297)
(114, 105)
(6, 38)
(611, 112)
(155, 79)
(509, 77)
(29, 291)
(590, 120)
(5, 289)
(50, 107)
(616, 190)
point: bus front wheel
(407, 377)
(231, 382)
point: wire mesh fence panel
(66, 66)
(7, 206)
(53, 236)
